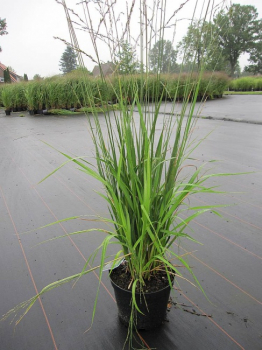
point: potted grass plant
(7, 100)
(143, 163)
(30, 95)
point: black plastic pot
(31, 111)
(7, 112)
(154, 308)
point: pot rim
(139, 293)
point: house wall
(107, 69)
(1, 76)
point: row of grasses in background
(246, 84)
(64, 92)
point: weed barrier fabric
(244, 108)
(228, 264)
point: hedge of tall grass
(16, 93)
(246, 84)
(64, 92)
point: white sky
(30, 47)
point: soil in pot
(152, 302)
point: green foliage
(68, 60)
(64, 92)
(141, 200)
(242, 92)
(37, 77)
(82, 70)
(1, 89)
(7, 77)
(126, 59)
(246, 84)
(200, 47)
(3, 26)
(99, 109)
(18, 95)
(13, 96)
(255, 59)
(218, 45)
(238, 31)
(163, 57)
(61, 112)
(30, 94)
(25, 77)
(35, 94)
(7, 97)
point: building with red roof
(14, 77)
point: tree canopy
(255, 59)
(162, 57)
(37, 77)
(3, 26)
(238, 31)
(126, 61)
(68, 60)
(11, 69)
(218, 44)
(200, 46)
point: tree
(255, 59)
(68, 60)
(11, 69)
(200, 46)
(126, 59)
(238, 32)
(7, 77)
(162, 57)
(25, 77)
(3, 31)
(37, 77)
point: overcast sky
(30, 46)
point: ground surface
(245, 108)
(228, 264)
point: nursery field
(227, 264)
(77, 91)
